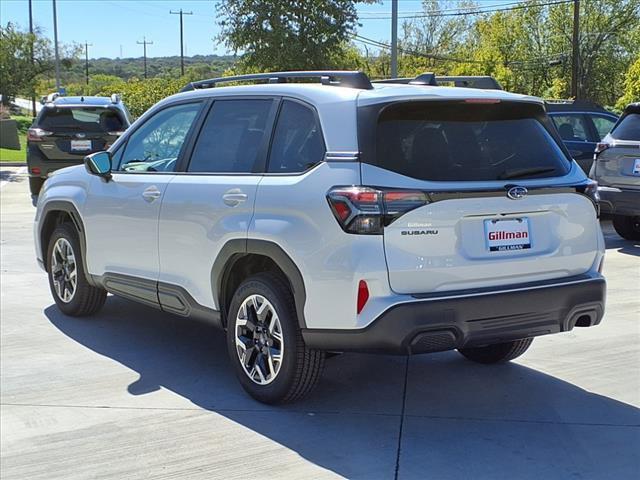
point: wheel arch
(53, 214)
(254, 256)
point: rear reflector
(35, 171)
(363, 295)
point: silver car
(616, 168)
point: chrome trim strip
(342, 156)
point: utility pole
(33, 95)
(144, 44)
(394, 38)
(575, 63)
(55, 41)
(86, 60)
(181, 37)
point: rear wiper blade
(524, 172)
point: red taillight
(37, 134)
(366, 210)
(363, 295)
(600, 147)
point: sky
(113, 27)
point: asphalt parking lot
(137, 393)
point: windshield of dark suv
(460, 141)
(81, 119)
(628, 128)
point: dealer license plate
(507, 234)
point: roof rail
(49, 98)
(428, 78)
(351, 79)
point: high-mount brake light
(37, 134)
(482, 100)
(366, 210)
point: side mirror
(99, 164)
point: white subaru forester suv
(333, 214)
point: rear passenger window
(231, 137)
(628, 128)
(572, 128)
(603, 125)
(297, 142)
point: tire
(498, 353)
(35, 185)
(627, 227)
(262, 376)
(85, 299)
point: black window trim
(258, 169)
(314, 110)
(125, 141)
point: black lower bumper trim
(444, 324)
(620, 201)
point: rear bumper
(474, 318)
(619, 201)
(46, 166)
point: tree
(631, 86)
(529, 49)
(287, 35)
(18, 75)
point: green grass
(7, 155)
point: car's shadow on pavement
(614, 241)
(461, 420)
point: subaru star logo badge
(80, 135)
(516, 193)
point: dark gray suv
(616, 168)
(69, 128)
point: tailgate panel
(443, 246)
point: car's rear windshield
(460, 141)
(628, 128)
(82, 119)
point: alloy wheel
(259, 340)
(64, 271)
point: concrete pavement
(136, 393)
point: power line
(86, 60)
(477, 11)
(144, 44)
(375, 43)
(181, 13)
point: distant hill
(156, 67)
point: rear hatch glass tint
(460, 141)
(628, 128)
(90, 120)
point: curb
(13, 164)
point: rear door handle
(234, 197)
(151, 193)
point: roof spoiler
(350, 79)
